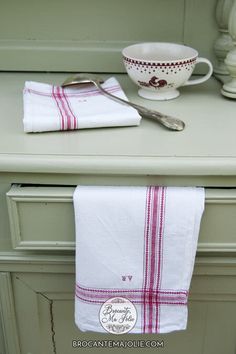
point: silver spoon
(167, 121)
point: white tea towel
(137, 243)
(48, 107)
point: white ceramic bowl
(160, 68)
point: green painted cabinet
(37, 179)
(41, 41)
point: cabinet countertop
(207, 146)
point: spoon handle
(168, 121)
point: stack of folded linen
(49, 108)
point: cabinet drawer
(42, 218)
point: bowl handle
(205, 77)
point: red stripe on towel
(153, 257)
(160, 254)
(68, 118)
(153, 254)
(138, 291)
(135, 295)
(146, 246)
(64, 108)
(58, 104)
(99, 301)
(72, 118)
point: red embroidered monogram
(126, 277)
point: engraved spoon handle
(168, 121)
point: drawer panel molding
(42, 218)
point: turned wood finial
(224, 43)
(229, 89)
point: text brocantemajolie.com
(117, 344)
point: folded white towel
(48, 108)
(135, 243)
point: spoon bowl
(78, 79)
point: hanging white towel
(137, 243)
(48, 108)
